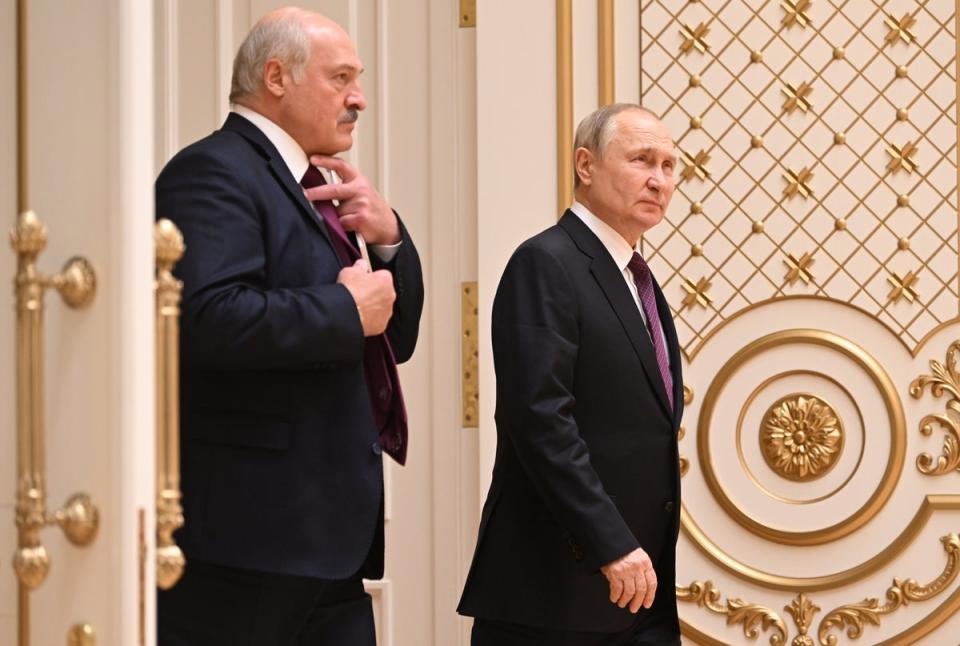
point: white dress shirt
(621, 253)
(296, 160)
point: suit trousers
(213, 605)
(498, 633)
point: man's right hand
(632, 580)
(373, 293)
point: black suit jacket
(281, 468)
(586, 467)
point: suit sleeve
(535, 345)
(231, 319)
(404, 325)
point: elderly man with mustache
(290, 342)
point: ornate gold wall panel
(818, 144)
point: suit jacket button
(375, 447)
(668, 506)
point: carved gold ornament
(799, 269)
(697, 294)
(797, 97)
(802, 610)
(798, 183)
(695, 165)
(902, 287)
(695, 38)
(753, 617)
(900, 29)
(801, 437)
(902, 157)
(796, 12)
(944, 378)
(853, 616)
(684, 460)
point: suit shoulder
(219, 149)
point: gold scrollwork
(944, 378)
(802, 610)
(854, 616)
(801, 437)
(753, 617)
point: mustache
(350, 116)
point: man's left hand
(362, 208)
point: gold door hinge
(468, 13)
(470, 348)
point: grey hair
(597, 129)
(283, 38)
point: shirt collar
(616, 246)
(290, 151)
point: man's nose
(356, 100)
(655, 181)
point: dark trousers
(499, 633)
(221, 606)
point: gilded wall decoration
(870, 170)
(944, 379)
(801, 437)
(851, 617)
(684, 460)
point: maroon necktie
(644, 282)
(379, 363)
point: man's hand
(362, 208)
(632, 580)
(373, 293)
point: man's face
(321, 109)
(631, 185)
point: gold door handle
(169, 249)
(79, 518)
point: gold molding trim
(902, 287)
(801, 437)
(469, 348)
(944, 378)
(900, 29)
(695, 38)
(799, 269)
(797, 97)
(902, 157)
(606, 61)
(22, 151)
(894, 412)
(697, 294)
(753, 617)
(564, 104)
(739, 433)
(852, 616)
(797, 183)
(773, 581)
(695, 165)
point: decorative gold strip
(22, 158)
(684, 460)
(141, 577)
(943, 379)
(564, 104)
(468, 13)
(605, 52)
(470, 391)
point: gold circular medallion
(801, 437)
(902, 72)
(696, 250)
(902, 114)
(757, 226)
(697, 208)
(756, 141)
(695, 80)
(839, 138)
(756, 56)
(696, 122)
(903, 200)
(840, 225)
(838, 53)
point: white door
(86, 172)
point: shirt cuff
(386, 252)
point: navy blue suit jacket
(281, 468)
(587, 464)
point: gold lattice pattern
(819, 157)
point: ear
(583, 163)
(274, 78)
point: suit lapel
(612, 283)
(279, 170)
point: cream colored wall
(90, 150)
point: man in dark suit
(578, 534)
(289, 351)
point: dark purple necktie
(379, 363)
(644, 282)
